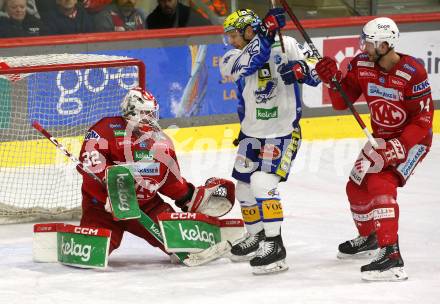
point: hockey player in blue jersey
(269, 110)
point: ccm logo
(183, 216)
(85, 230)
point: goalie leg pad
(83, 247)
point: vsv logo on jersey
(92, 134)
(421, 86)
(379, 91)
(387, 114)
(264, 94)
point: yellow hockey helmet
(240, 19)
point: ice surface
(317, 219)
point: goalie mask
(140, 108)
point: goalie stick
(334, 80)
(192, 259)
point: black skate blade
(368, 254)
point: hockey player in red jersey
(398, 94)
(136, 138)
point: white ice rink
(317, 219)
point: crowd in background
(26, 18)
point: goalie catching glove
(215, 198)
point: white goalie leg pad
(390, 275)
(276, 267)
(210, 254)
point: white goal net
(66, 93)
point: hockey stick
(280, 35)
(335, 82)
(192, 259)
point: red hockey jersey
(110, 142)
(400, 100)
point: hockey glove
(293, 71)
(394, 153)
(327, 70)
(273, 21)
(215, 198)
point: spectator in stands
(44, 7)
(31, 8)
(68, 17)
(95, 6)
(172, 13)
(19, 23)
(219, 7)
(120, 16)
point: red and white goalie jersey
(111, 142)
(400, 100)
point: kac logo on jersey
(92, 134)
(421, 86)
(387, 114)
(379, 91)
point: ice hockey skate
(246, 248)
(386, 266)
(270, 257)
(358, 248)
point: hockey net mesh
(37, 182)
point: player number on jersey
(424, 105)
(91, 158)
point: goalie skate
(359, 248)
(270, 257)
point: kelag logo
(80, 96)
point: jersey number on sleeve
(91, 158)
(424, 104)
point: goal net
(66, 93)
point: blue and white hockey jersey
(267, 107)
